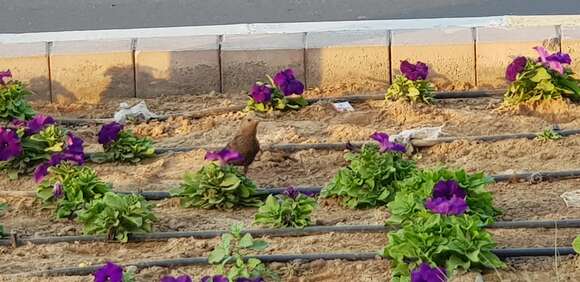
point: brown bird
(246, 143)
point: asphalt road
(17, 16)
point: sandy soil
(314, 124)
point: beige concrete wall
(571, 45)
(177, 66)
(29, 64)
(357, 60)
(449, 53)
(496, 49)
(91, 71)
(247, 59)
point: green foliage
(117, 216)
(284, 211)
(228, 256)
(3, 207)
(414, 91)
(127, 148)
(414, 191)
(80, 186)
(368, 181)
(36, 149)
(548, 135)
(214, 186)
(576, 244)
(537, 83)
(13, 104)
(453, 242)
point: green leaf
(576, 244)
(541, 74)
(247, 241)
(259, 245)
(217, 255)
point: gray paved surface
(57, 15)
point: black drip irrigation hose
(284, 258)
(279, 232)
(343, 146)
(360, 98)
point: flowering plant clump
(117, 216)
(111, 272)
(220, 186)
(369, 179)
(290, 209)
(282, 92)
(13, 104)
(545, 78)
(71, 188)
(228, 257)
(412, 85)
(548, 134)
(122, 145)
(181, 278)
(36, 145)
(443, 191)
(452, 242)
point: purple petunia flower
(418, 71)
(447, 189)
(426, 273)
(261, 93)
(515, 68)
(38, 123)
(10, 146)
(453, 206)
(385, 145)
(553, 61)
(109, 133)
(4, 74)
(110, 272)
(73, 153)
(225, 156)
(57, 191)
(243, 279)
(287, 83)
(216, 278)
(291, 192)
(182, 278)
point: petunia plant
(443, 191)
(71, 188)
(122, 145)
(412, 85)
(35, 145)
(117, 216)
(111, 272)
(547, 77)
(290, 209)
(13, 104)
(228, 257)
(181, 278)
(218, 185)
(548, 134)
(369, 179)
(282, 92)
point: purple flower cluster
(554, 61)
(225, 156)
(73, 153)
(447, 199)
(515, 67)
(109, 133)
(33, 126)
(57, 190)
(10, 146)
(4, 74)
(287, 83)
(223, 278)
(426, 273)
(110, 272)
(385, 145)
(182, 278)
(418, 71)
(261, 93)
(293, 193)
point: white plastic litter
(138, 112)
(405, 136)
(343, 107)
(571, 198)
